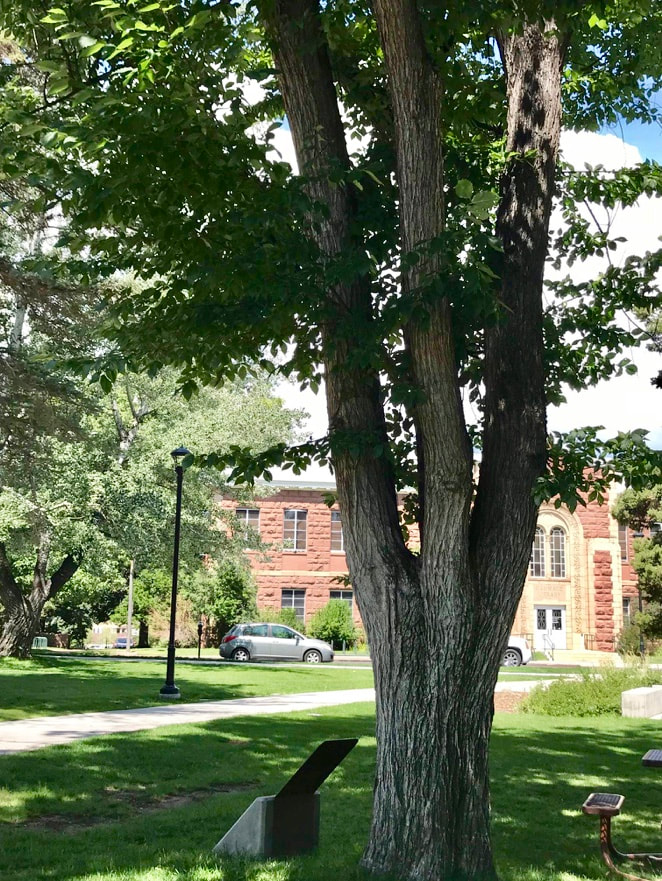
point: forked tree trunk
(22, 607)
(437, 622)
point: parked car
(120, 643)
(272, 642)
(517, 652)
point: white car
(517, 652)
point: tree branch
(444, 451)
(514, 448)
(366, 485)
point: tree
(106, 497)
(642, 511)
(86, 599)
(333, 623)
(407, 274)
(224, 592)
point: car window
(255, 630)
(280, 632)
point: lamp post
(199, 637)
(169, 690)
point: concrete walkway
(31, 734)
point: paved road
(31, 734)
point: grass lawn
(50, 685)
(55, 684)
(150, 806)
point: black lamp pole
(169, 690)
(199, 637)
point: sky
(620, 404)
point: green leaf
(464, 189)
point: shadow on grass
(542, 770)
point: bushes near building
(288, 617)
(334, 624)
(594, 693)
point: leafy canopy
(158, 134)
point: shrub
(628, 640)
(595, 693)
(281, 616)
(333, 623)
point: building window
(537, 564)
(623, 540)
(627, 611)
(346, 595)
(337, 539)
(557, 552)
(249, 520)
(294, 529)
(294, 599)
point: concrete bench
(642, 703)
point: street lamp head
(179, 453)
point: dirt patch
(140, 802)
(508, 701)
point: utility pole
(130, 609)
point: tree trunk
(21, 623)
(22, 609)
(435, 691)
(143, 635)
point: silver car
(272, 642)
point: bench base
(607, 805)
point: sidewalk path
(31, 734)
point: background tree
(408, 273)
(334, 624)
(224, 592)
(86, 599)
(642, 511)
(106, 497)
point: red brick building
(580, 591)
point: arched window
(557, 552)
(537, 564)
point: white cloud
(591, 148)
(626, 402)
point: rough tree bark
(437, 622)
(23, 607)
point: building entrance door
(549, 628)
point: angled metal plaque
(317, 767)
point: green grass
(95, 810)
(52, 685)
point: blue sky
(648, 138)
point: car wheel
(511, 658)
(313, 657)
(241, 655)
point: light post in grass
(169, 690)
